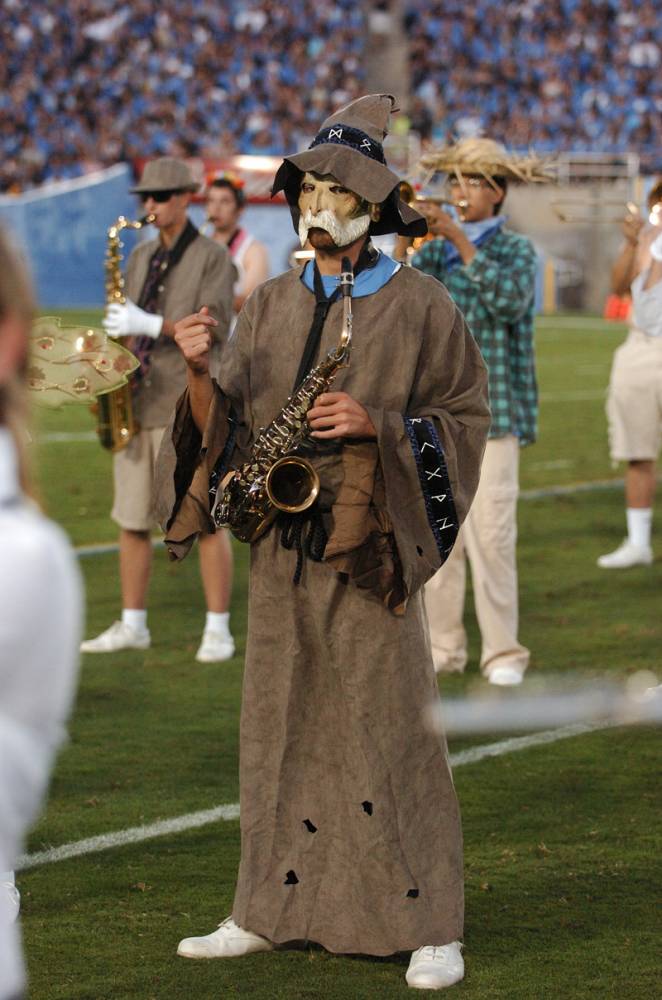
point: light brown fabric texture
(204, 276)
(350, 825)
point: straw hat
(486, 158)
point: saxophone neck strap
(322, 306)
(367, 259)
(160, 265)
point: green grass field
(561, 840)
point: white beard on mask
(342, 233)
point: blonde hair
(16, 302)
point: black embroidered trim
(435, 483)
(345, 135)
(221, 467)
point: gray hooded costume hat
(349, 147)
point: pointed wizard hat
(349, 147)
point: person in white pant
(634, 403)
(490, 273)
(38, 666)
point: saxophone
(275, 478)
(116, 423)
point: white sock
(7, 877)
(218, 621)
(639, 521)
(135, 618)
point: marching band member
(225, 204)
(490, 273)
(350, 825)
(165, 278)
(634, 402)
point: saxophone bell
(292, 484)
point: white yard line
(137, 834)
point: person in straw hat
(490, 273)
(166, 278)
(350, 829)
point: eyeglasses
(160, 197)
(472, 182)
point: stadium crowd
(547, 74)
(83, 88)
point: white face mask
(342, 232)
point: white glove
(129, 319)
(656, 248)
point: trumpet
(411, 196)
(586, 210)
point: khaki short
(133, 474)
(634, 402)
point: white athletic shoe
(215, 646)
(229, 941)
(505, 675)
(435, 967)
(627, 555)
(10, 900)
(118, 636)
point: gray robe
(350, 829)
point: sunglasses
(160, 197)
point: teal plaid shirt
(496, 294)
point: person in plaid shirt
(490, 273)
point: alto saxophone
(116, 423)
(275, 478)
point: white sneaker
(505, 675)
(435, 967)
(215, 646)
(10, 900)
(118, 636)
(627, 555)
(229, 941)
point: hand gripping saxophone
(275, 478)
(116, 424)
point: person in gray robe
(350, 828)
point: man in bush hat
(165, 279)
(350, 826)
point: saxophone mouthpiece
(346, 277)
(147, 220)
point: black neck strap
(367, 258)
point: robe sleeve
(430, 455)
(190, 466)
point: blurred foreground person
(634, 403)
(38, 576)
(165, 279)
(349, 822)
(225, 204)
(490, 273)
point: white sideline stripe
(137, 834)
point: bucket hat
(166, 174)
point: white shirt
(40, 630)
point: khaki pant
(488, 538)
(634, 403)
(133, 476)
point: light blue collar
(477, 232)
(367, 282)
